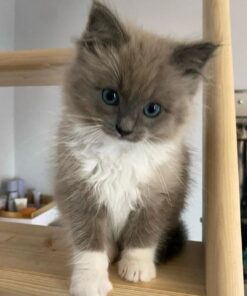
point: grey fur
(151, 222)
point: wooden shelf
(34, 67)
(34, 261)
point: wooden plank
(34, 67)
(14, 283)
(34, 59)
(34, 261)
(224, 271)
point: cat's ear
(191, 58)
(103, 28)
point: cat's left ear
(103, 27)
(191, 58)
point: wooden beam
(224, 273)
(34, 67)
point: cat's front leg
(86, 223)
(139, 242)
(90, 274)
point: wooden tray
(46, 204)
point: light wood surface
(34, 261)
(224, 273)
(34, 67)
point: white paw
(89, 283)
(90, 275)
(135, 267)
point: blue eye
(110, 96)
(152, 110)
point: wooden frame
(224, 270)
(222, 237)
(34, 67)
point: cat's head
(132, 84)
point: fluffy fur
(122, 194)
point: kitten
(122, 175)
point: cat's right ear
(103, 28)
(192, 58)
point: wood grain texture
(34, 261)
(224, 273)
(34, 67)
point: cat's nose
(122, 132)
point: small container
(36, 198)
(11, 204)
(21, 187)
(20, 204)
(10, 186)
(13, 194)
(11, 201)
(3, 202)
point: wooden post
(222, 215)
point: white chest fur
(115, 169)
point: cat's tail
(171, 243)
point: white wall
(7, 19)
(36, 113)
(48, 23)
(41, 24)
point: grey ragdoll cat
(122, 172)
